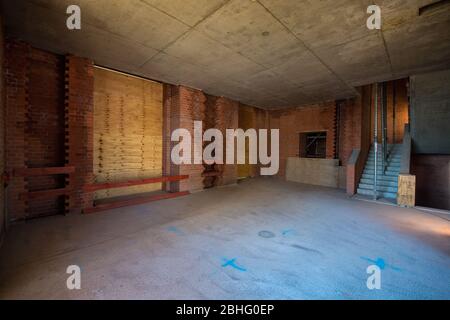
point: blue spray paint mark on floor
(395, 268)
(175, 230)
(381, 263)
(378, 262)
(232, 263)
(288, 232)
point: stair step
(392, 167)
(387, 195)
(380, 182)
(389, 156)
(390, 146)
(380, 177)
(379, 188)
(388, 159)
(388, 149)
(387, 176)
(379, 172)
(389, 171)
(379, 166)
(393, 160)
(387, 168)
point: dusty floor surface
(260, 239)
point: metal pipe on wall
(375, 193)
(394, 105)
(385, 135)
(382, 127)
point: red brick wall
(292, 122)
(191, 108)
(183, 106)
(49, 124)
(79, 103)
(3, 217)
(226, 117)
(44, 131)
(349, 128)
(35, 130)
(354, 129)
(16, 89)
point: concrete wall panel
(430, 112)
(432, 180)
(321, 172)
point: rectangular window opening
(313, 145)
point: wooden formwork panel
(406, 196)
(127, 131)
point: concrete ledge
(320, 172)
(352, 179)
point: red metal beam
(45, 194)
(111, 185)
(29, 172)
(136, 201)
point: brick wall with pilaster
(16, 102)
(311, 118)
(227, 113)
(36, 127)
(183, 106)
(79, 130)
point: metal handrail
(375, 193)
(383, 146)
(385, 150)
(405, 161)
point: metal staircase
(387, 178)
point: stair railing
(406, 195)
(405, 161)
(384, 127)
(375, 193)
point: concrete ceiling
(267, 53)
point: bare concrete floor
(260, 239)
